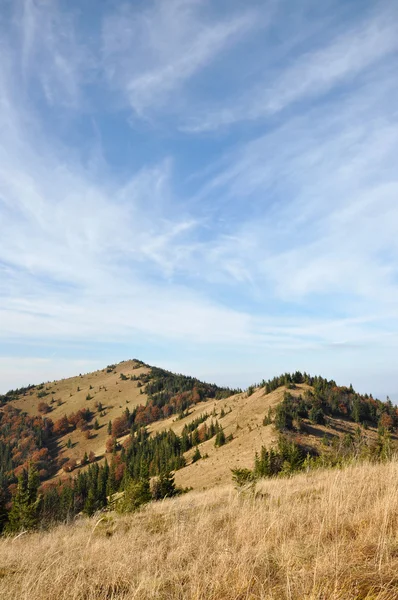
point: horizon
(219, 382)
(210, 188)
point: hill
(87, 438)
(323, 535)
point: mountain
(87, 438)
(290, 489)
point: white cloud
(290, 244)
(311, 74)
(52, 55)
(152, 53)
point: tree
(25, 505)
(386, 422)
(220, 439)
(317, 416)
(3, 510)
(135, 495)
(242, 477)
(61, 426)
(111, 444)
(69, 465)
(196, 455)
(164, 487)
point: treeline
(170, 393)
(327, 399)
(23, 439)
(141, 460)
(14, 394)
(291, 456)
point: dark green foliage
(169, 394)
(162, 452)
(195, 423)
(287, 458)
(316, 415)
(3, 509)
(220, 439)
(196, 455)
(23, 515)
(136, 494)
(242, 477)
(15, 394)
(328, 399)
(268, 418)
(164, 486)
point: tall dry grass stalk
(327, 535)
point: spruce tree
(25, 506)
(220, 439)
(196, 455)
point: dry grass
(115, 395)
(330, 535)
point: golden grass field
(324, 535)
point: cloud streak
(276, 243)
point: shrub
(242, 477)
(135, 495)
(43, 408)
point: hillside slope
(108, 395)
(66, 396)
(325, 535)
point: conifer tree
(25, 506)
(220, 439)
(196, 455)
(164, 486)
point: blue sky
(211, 187)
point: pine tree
(165, 486)
(220, 439)
(135, 495)
(25, 505)
(3, 510)
(197, 455)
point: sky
(210, 187)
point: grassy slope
(245, 422)
(326, 535)
(115, 395)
